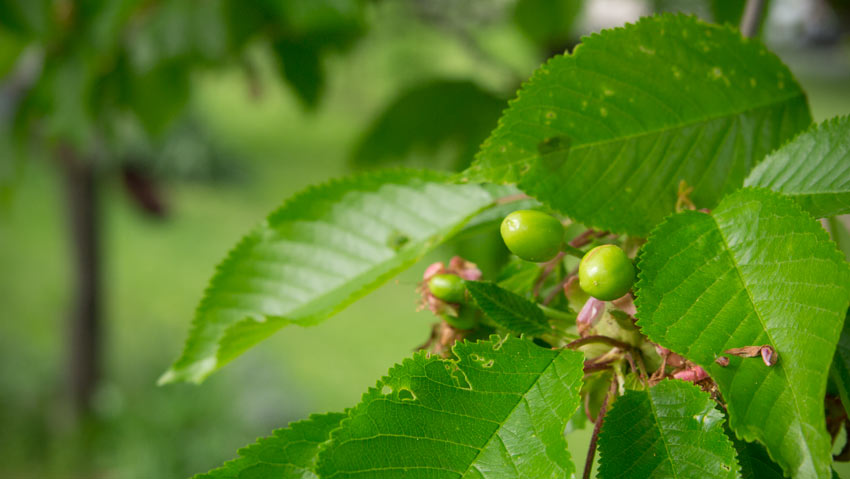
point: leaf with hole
(757, 271)
(498, 410)
(607, 133)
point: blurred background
(140, 139)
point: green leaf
(671, 430)
(320, 251)
(288, 454)
(508, 310)
(755, 463)
(499, 410)
(606, 134)
(814, 169)
(548, 23)
(301, 65)
(311, 29)
(27, 17)
(840, 371)
(758, 271)
(428, 119)
(158, 96)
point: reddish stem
(591, 451)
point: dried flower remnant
(692, 374)
(458, 266)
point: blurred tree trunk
(85, 323)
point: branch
(751, 19)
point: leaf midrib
(659, 131)
(509, 415)
(780, 364)
(661, 434)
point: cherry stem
(598, 339)
(572, 248)
(572, 251)
(593, 367)
(600, 418)
(586, 237)
(547, 270)
(559, 288)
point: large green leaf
(606, 134)
(814, 169)
(507, 309)
(499, 410)
(671, 430)
(758, 271)
(840, 371)
(320, 251)
(288, 454)
(429, 119)
(756, 463)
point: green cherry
(606, 273)
(532, 235)
(447, 287)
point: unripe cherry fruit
(447, 287)
(532, 235)
(606, 273)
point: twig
(593, 367)
(591, 451)
(752, 17)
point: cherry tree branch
(751, 19)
